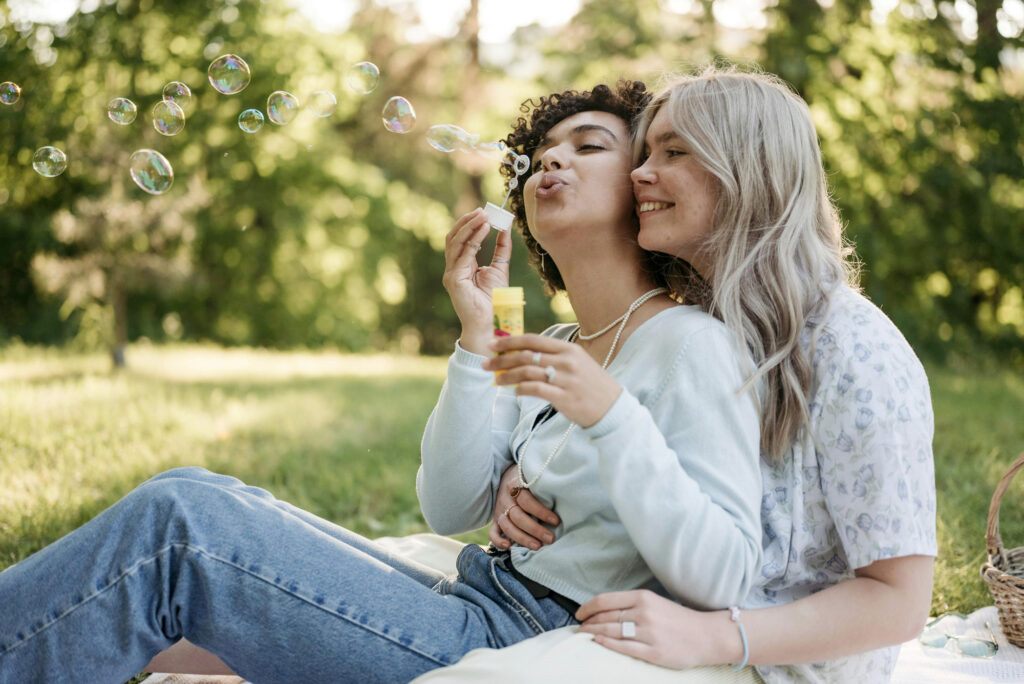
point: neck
(600, 288)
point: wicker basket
(1004, 570)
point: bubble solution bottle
(508, 312)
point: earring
(542, 255)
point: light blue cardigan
(662, 493)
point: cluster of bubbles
(230, 75)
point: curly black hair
(540, 115)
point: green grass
(339, 435)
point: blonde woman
(730, 182)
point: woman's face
(580, 175)
(675, 196)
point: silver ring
(536, 358)
(550, 372)
(629, 630)
(499, 260)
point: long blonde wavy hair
(776, 247)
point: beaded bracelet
(734, 614)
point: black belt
(536, 589)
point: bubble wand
(499, 217)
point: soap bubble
(178, 93)
(520, 164)
(151, 171)
(121, 111)
(250, 121)
(282, 107)
(168, 119)
(449, 138)
(9, 92)
(363, 77)
(496, 150)
(323, 102)
(229, 74)
(49, 161)
(398, 115)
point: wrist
(476, 341)
(726, 641)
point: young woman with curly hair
(631, 424)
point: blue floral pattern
(859, 485)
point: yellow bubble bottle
(508, 312)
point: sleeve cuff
(619, 414)
(467, 359)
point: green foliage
(327, 232)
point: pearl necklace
(621, 320)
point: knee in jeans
(170, 503)
(184, 473)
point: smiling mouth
(646, 207)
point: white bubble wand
(499, 217)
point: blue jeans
(279, 594)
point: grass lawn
(339, 435)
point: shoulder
(686, 328)
(855, 338)
(864, 373)
(690, 350)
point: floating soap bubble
(496, 150)
(451, 138)
(282, 107)
(398, 115)
(121, 111)
(363, 77)
(9, 92)
(49, 161)
(168, 118)
(178, 93)
(151, 171)
(250, 121)
(229, 74)
(323, 102)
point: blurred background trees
(327, 232)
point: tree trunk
(120, 326)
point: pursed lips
(550, 184)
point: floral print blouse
(859, 485)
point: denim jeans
(279, 594)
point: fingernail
(535, 546)
(493, 344)
(549, 538)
